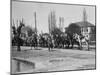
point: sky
(71, 13)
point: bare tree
(52, 21)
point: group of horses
(54, 41)
(63, 40)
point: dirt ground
(55, 60)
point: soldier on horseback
(50, 43)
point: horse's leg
(72, 44)
(31, 46)
(87, 45)
(64, 45)
(49, 47)
(18, 47)
(68, 45)
(34, 44)
(80, 45)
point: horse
(76, 40)
(65, 40)
(81, 39)
(85, 39)
(41, 40)
(60, 41)
(32, 41)
(57, 41)
(50, 42)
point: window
(86, 29)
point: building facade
(87, 30)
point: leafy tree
(29, 30)
(73, 28)
(56, 31)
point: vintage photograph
(52, 37)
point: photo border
(59, 4)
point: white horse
(82, 39)
(85, 40)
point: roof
(85, 24)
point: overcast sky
(71, 13)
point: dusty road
(56, 60)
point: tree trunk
(18, 44)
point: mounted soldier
(50, 44)
(81, 39)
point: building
(86, 28)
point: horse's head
(76, 36)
